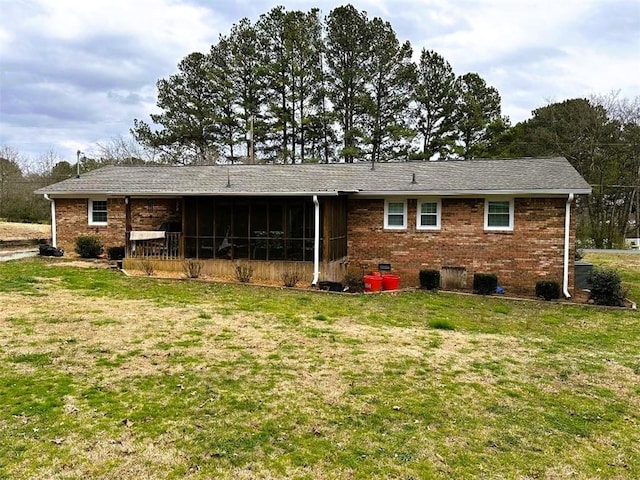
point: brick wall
(150, 214)
(72, 219)
(532, 251)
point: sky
(75, 74)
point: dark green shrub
(429, 279)
(548, 289)
(353, 282)
(485, 283)
(606, 288)
(115, 253)
(89, 246)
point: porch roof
(530, 176)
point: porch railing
(168, 247)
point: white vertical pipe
(316, 242)
(567, 228)
(54, 240)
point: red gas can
(390, 282)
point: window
(395, 214)
(498, 215)
(97, 212)
(428, 217)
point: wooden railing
(167, 248)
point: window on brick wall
(97, 212)
(395, 214)
(498, 214)
(428, 217)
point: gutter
(118, 194)
(54, 240)
(316, 242)
(567, 226)
(470, 193)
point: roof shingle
(521, 175)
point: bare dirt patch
(23, 231)
(80, 263)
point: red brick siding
(532, 251)
(150, 214)
(72, 219)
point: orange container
(390, 282)
(373, 283)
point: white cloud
(74, 73)
(88, 68)
(155, 23)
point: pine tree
(477, 108)
(435, 103)
(347, 52)
(391, 76)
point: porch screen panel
(295, 232)
(190, 217)
(205, 217)
(240, 230)
(205, 228)
(190, 227)
(259, 234)
(276, 231)
(223, 241)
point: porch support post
(567, 228)
(127, 226)
(316, 242)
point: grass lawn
(104, 376)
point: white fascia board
(189, 194)
(472, 193)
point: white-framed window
(428, 214)
(395, 214)
(97, 211)
(498, 214)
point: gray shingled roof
(507, 176)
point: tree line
(21, 176)
(293, 87)
(600, 137)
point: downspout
(316, 242)
(567, 227)
(54, 241)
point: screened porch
(260, 229)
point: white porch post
(316, 242)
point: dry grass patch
(23, 231)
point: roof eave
(467, 193)
(96, 193)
